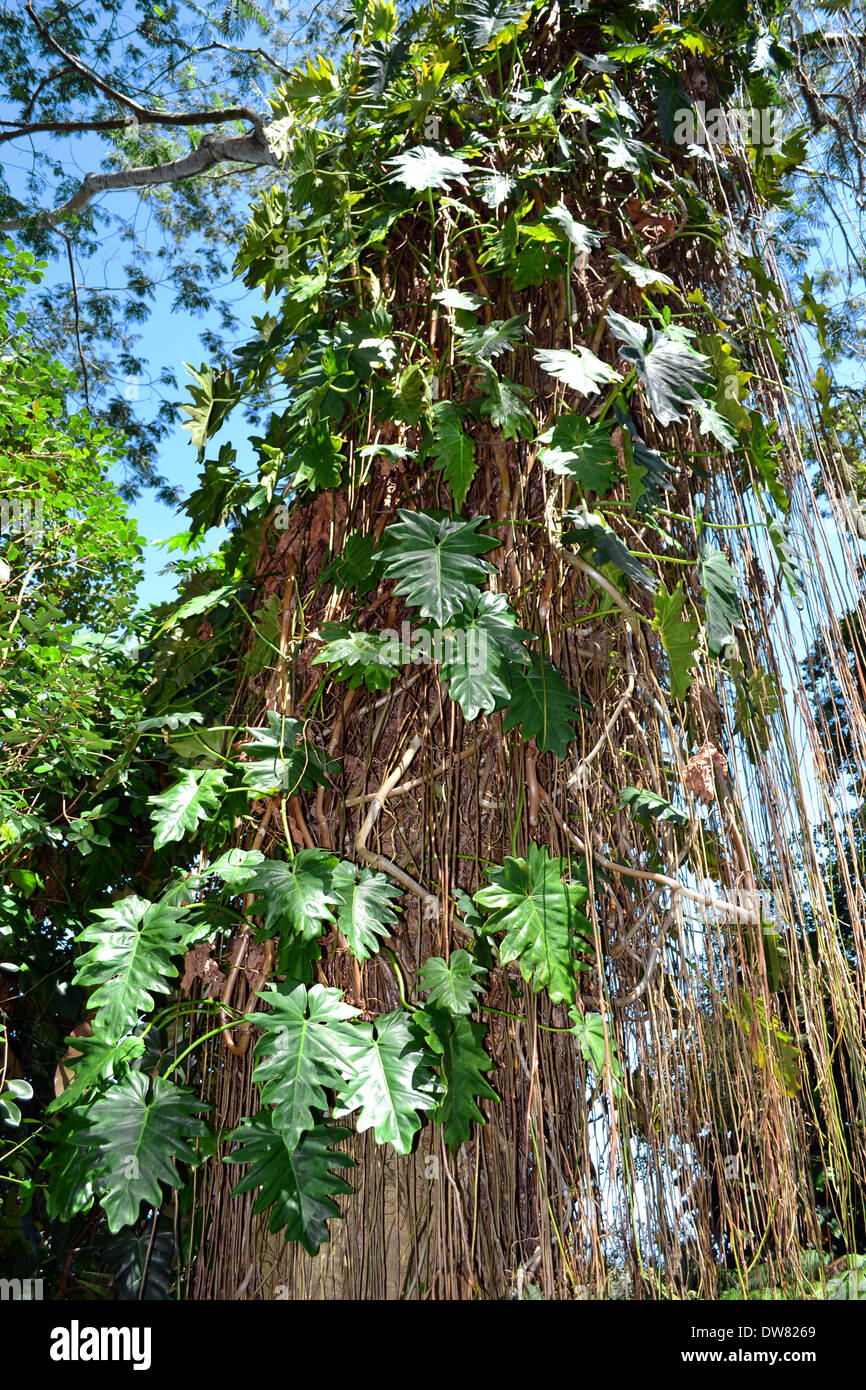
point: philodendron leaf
(482, 20)
(368, 658)
(590, 531)
(642, 275)
(364, 911)
(436, 562)
(298, 896)
(453, 449)
(581, 237)
(297, 1185)
(192, 798)
(130, 960)
(452, 984)
(236, 867)
(581, 370)
(670, 370)
(99, 1059)
(721, 598)
(645, 805)
(423, 167)
(281, 758)
(141, 1264)
(390, 1081)
(589, 1031)
(790, 562)
(306, 1040)
(504, 404)
(543, 705)
(458, 1043)
(480, 657)
(135, 1141)
(489, 340)
(540, 918)
(679, 637)
(576, 448)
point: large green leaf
(236, 867)
(589, 1031)
(453, 450)
(297, 1185)
(504, 405)
(482, 20)
(540, 918)
(580, 236)
(645, 805)
(281, 758)
(489, 340)
(590, 531)
(481, 656)
(360, 658)
(297, 897)
(364, 911)
(69, 1166)
(141, 1264)
(389, 1082)
(543, 705)
(722, 600)
(423, 167)
(457, 1042)
(101, 1059)
(452, 984)
(576, 448)
(135, 1141)
(305, 1040)
(669, 369)
(130, 961)
(679, 638)
(581, 370)
(214, 394)
(191, 799)
(436, 562)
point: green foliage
(679, 636)
(297, 1184)
(452, 984)
(576, 448)
(590, 1033)
(179, 810)
(281, 758)
(453, 450)
(724, 614)
(543, 706)
(134, 941)
(390, 1081)
(360, 658)
(298, 896)
(482, 659)
(538, 912)
(669, 369)
(457, 1042)
(436, 562)
(646, 805)
(135, 1137)
(304, 1048)
(364, 911)
(372, 389)
(581, 370)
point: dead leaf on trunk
(199, 964)
(699, 772)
